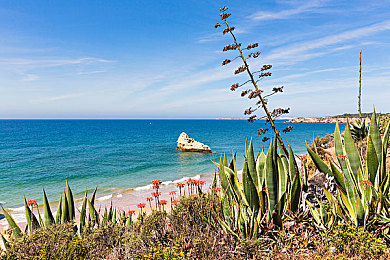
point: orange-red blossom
(366, 183)
(216, 189)
(32, 203)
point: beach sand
(121, 199)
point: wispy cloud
(311, 6)
(300, 50)
(56, 98)
(51, 62)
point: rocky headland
(326, 119)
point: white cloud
(311, 6)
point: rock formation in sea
(186, 143)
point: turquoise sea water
(117, 153)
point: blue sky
(161, 59)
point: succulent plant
(271, 185)
(363, 195)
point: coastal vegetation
(273, 208)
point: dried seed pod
(227, 61)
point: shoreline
(121, 199)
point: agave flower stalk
(257, 92)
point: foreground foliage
(191, 231)
(363, 182)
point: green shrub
(348, 240)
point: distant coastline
(344, 118)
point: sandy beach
(121, 199)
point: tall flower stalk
(360, 85)
(256, 92)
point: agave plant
(65, 213)
(362, 184)
(359, 129)
(271, 185)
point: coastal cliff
(327, 119)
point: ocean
(118, 155)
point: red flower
(163, 202)
(189, 181)
(141, 205)
(201, 183)
(216, 189)
(156, 182)
(265, 189)
(156, 194)
(155, 187)
(150, 198)
(32, 203)
(131, 212)
(194, 195)
(366, 183)
(172, 192)
(180, 185)
(342, 157)
(174, 202)
(302, 157)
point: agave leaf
(372, 162)
(338, 145)
(59, 211)
(338, 176)
(32, 221)
(82, 214)
(48, 216)
(65, 210)
(69, 198)
(386, 139)
(293, 167)
(271, 180)
(5, 242)
(93, 213)
(260, 162)
(284, 158)
(282, 177)
(234, 168)
(105, 215)
(225, 162)
(349, 207)
(375, 136)
(295, 193)
(114, 216)
(316, 215)
(222, 177)
(352, 152)
(94, 196)
(110, 212)
(236, 187)
(15, 229)
(250, 159)
(250, 190)
(318, 162)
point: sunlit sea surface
(118, 154)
